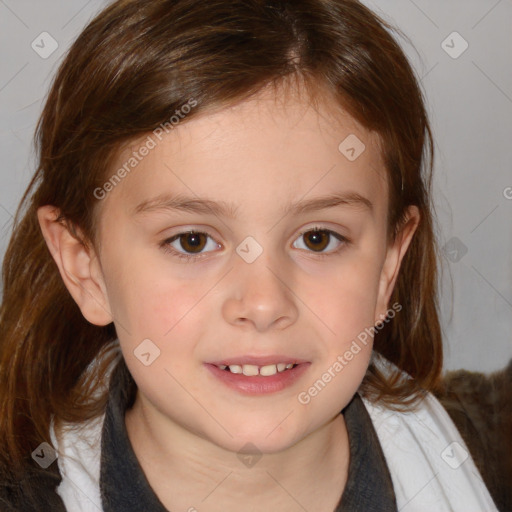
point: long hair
(130, 69)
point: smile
(251, 379)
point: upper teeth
(252, 370)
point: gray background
(470, 103)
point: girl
(222, 290)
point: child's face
(289, 302)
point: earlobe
(78, 266)
(392, 263)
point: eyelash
(165, 244)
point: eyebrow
(179, 202)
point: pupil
(194, 237)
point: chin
(265, 440)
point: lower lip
(259, 385)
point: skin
(186, 427)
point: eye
(318, 239)
(191, 242)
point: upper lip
(258, 360)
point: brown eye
(317, 240)
(190, 245)
(192, 242)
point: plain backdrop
(462, 53)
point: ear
(78, 265)
(394, 255)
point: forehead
(260, 154)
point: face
(287, 263)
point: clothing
(407, 457)
(430, 464)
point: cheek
(346, 301)
(147, 304)
(169, 314)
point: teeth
(251, 370)
(271, 369)
(234, 368)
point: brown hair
(134, 65)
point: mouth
(251, 375)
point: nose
(260, 297)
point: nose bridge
(260, 293)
